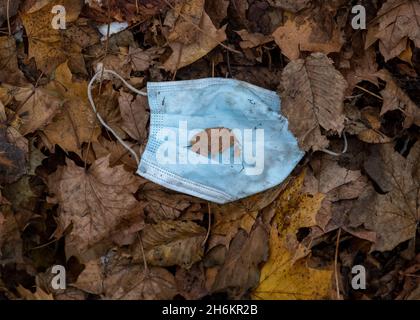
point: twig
(8, 17)
(370, 92)
(337, 285)
(209, 226)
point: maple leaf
(394, 216)
(39, 106)
(286, 275)
(135, 115)
(398, 21)
(127, 282)
(76, 122)
(97, 202)
(313, 92)
(47, 45)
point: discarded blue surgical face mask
(217, 139)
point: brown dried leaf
(227, 221)
(162, 205)
(76, 123)
(12, 159)
(313, 93)
(171, 243)
(208, 37)
(126, 282)
(38, 109)
(135, 115)
(252, 40)
(9, 70)
(240, 271)
(11, 244)
(397, 212)
(217, 10)
(291, 5)
(396, 99)
(98, 202)
(296, 36)
(136, 283)
(398, 21)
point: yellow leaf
(286, 275)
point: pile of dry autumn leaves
(69, 194)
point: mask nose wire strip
(342, 152)
(102, 121)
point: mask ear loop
(102, 121)
(334, 154)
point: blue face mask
(217, 139)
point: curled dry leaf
(208, 37)
(296, 36)
(171, 243)
(397, 22)
(396, 99)
(312, 91)
(97, 202)
(252, 40)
